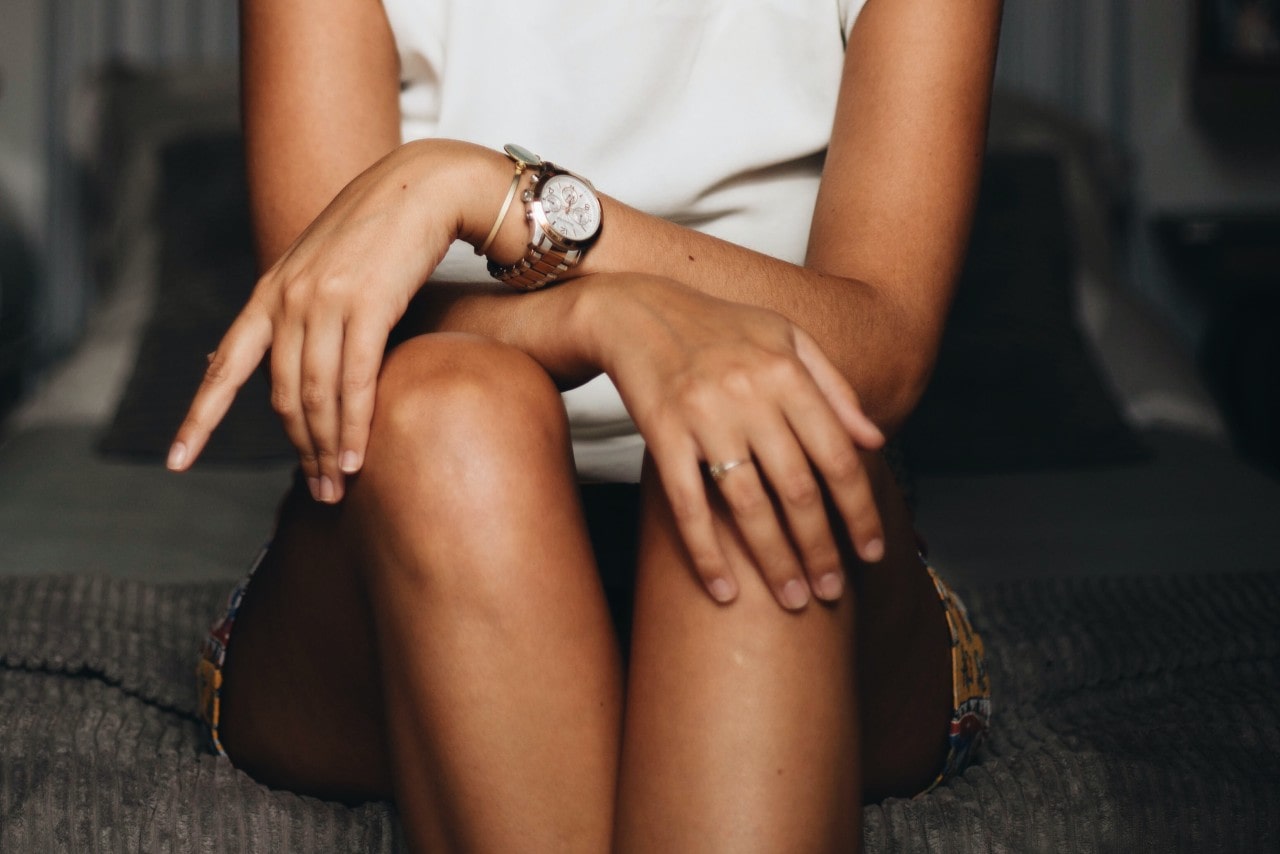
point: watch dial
(571, 208)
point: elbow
(899, 396)
(907, 367)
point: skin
(393, 647)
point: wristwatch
(563, 211)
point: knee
(450, 397)
(465, 431)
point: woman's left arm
(889, 228)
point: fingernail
(830, 586)
(721, 590)
(327, 492)
(313, 484)
(177, 456)
(350, 462)
(873, 551)
(795, 595)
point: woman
(763, 277)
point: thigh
(301, 704)
(885, 647)
(301, 701)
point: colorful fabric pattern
(213, 654)
(971, 687)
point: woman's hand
(327, 306)
(710, 382)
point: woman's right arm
(320, 103)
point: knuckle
(800, 489)
(843, 465)
(282, 402)
(295, 296)
(216, 373)
(695, 398)
(358, 381)
(685, 508)
(313, 395)
(746, 502)
(330, 287)
(739, 382)
(785, 370)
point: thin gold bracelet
(502, 212)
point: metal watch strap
(541, 265)
(545, 259)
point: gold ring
(719, 471)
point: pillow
(124, 116)
(1015, 387)
(206, 272)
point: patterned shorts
(971, 691)
(213, 654)
(970, 687)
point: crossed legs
(441, 637)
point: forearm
(547, 324)
(859, 326)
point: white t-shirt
(711, 113)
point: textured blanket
(1131, 715)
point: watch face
(571, 208)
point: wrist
(483, 181)
(593, 308)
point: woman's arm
(887, 237)
(320, 101)
(889, 228)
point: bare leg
(500, 685)
(749, 728)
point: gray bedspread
(1136, 714)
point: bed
(1072, 478)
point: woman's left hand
(743, 393)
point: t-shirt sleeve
(849, 10)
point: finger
(757, 521)
(318, 396)
(286, 381)
(838, 392)
(238, 355)
(787, 470)
(837, 462)
(681, 477)
(361, 359)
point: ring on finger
(719, 471)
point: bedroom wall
(1124, 68)
(23, 182)
(1181, 168)
(48, 49)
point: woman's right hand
(711, 381)
(326, 308)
